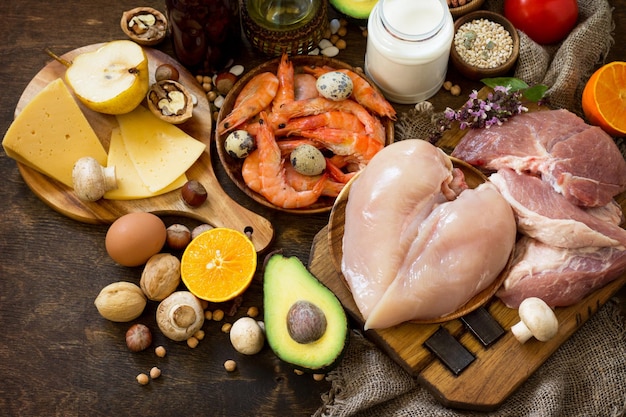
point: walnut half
(144, 25)
(170, 101)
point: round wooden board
(473, 177)
(233, 165)
(219, 210)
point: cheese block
(51, 133)
(160, 151)
(129, 184)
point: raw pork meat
(547, 216)
(559, 276)
(459, 250)
(557, 145)
(387, 201)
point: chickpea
(318, 377)
(455, 90)
(208, 315)
(218, 315)
(230, 365)
(192, 342)
(226, 327)
(155, 372)
(199, 334)
(160, 351)
(143, 379)
(253, 311)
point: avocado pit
(306, 322)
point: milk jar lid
(413, 20)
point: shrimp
(333, 119)
(255, 96)
(301, 182)
(362, 91)
(319, 105)
(274, 186)
(357, 147)
(285, 92)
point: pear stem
(58, 58)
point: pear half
(112, 79)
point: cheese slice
(51, 134)
(129, 184)
(160, 151)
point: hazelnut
(225, 81)
(166, 72)
(194, 193)
(138, 337)
(178, 236)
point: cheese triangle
(160, 151)
(51, 134)
(129, 184)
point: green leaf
(514, 84)
(535, 93)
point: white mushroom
(537, 319)
(180, 315)
(91, 180)
(247, 336)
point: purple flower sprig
(498, 107)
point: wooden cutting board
(498, 370)
(219, 210)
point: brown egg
(133, 238)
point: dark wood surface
(58, 357)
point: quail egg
(307, 160)
(239, 144)
(334, 85)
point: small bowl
(474, 72)
(233, 165)
(466, 8)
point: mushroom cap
(171, 306)
(539, 318)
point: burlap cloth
(586, 376)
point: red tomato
(544, 21)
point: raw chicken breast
(559, 276)
(549, 217)
(459, 250)
(387, 202)
(556, 145)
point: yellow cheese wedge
(51, 134)
(160, 151)
(129, 184)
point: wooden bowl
(477, 73)
(474, 178)
(466, 8)
(233, 165)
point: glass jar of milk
(408, 46)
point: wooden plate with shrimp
(233, 166)
(473, 178)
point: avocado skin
(285, 281)
(357, 10)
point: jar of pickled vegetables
(408, 46)
(206, 34)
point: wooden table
(57, 355)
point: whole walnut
(121, 301)
(160, 277)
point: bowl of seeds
(486, 45)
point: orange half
(219, 264)
(604, 98)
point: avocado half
(356, 9)
(287, 283)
